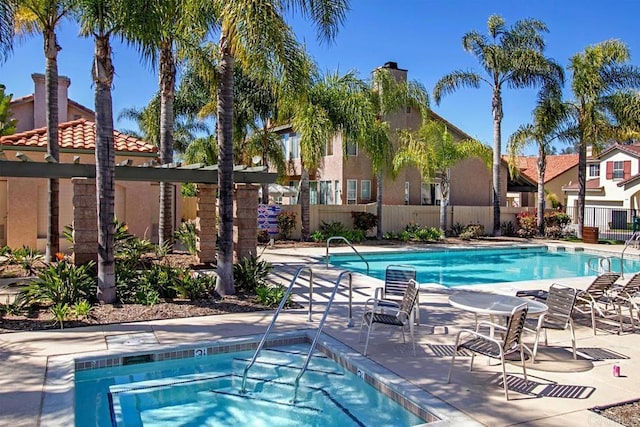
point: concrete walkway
(560, 391)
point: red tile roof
(556, 165)
(75, 135)
(591, 184)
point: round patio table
(494, 304)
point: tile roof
(75, 135)
(556, 165)
(591, 184)
(632, 149)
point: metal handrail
(330, 239)
(634, 236)
(324, 318)
(273, 321)
(603, 265)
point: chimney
(40, 100)
(391, 65)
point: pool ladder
(331, 239)
(320, 326)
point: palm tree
(160, 29)
(255, 34)
(99, 18)
(7, 19)
(549, 118)
(389, 95)
(42, 17)
(512, 58)
(7, 122)
(434, 151)
(604, 107)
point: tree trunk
(167, 93)
(542, 166)
(444, 189)
(51, 49)
(265, 187)
(497, 148)
(225, 285)
(305, 221)
(582, 185)
(379, 205)
(105, 168)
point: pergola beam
(205, 175)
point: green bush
(271, 296)
(431, 234)
(82, 309)
(162, 278)
(286, 223)
(60, 313)
(145, 294)
(364, 221)
(249, 273)
(507, 229)
(456, 229)
(63, 283)
(195, 286)
(337, 229)
(29, 259)
(186, 234)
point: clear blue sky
(422, 36)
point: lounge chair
(402, 318)
(560, 300)
(396, 280)
(595, 300)
(489, 346)
(626, 296)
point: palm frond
(454, 81)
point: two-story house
(346, 176)
(612, 195)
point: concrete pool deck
(560, 390)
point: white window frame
(352, 193)
(354, 149)
(337, 190)
(294, 146)
(365, 190)
(594, 167)
(618, 172)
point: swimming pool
(182, 386)
(457, 267)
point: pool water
(206, 392)
(457, 267)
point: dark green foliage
(414, 232)
(63, 283)
(335, 229)
(456, 229)
(187, 235)
(162, 278)
(188, 189)
(271, 296)
(249, 273)
(507, 229)
(364, 221)
(29, 259)
(195, 286)
(431, 234)
(472, 231)
(286, 223)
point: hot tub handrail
(275, 317)
(320, 326)
(330, 239)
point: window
(352, 191)
(294, 142)
(406, 192)
(352, 149)
(313, 192)
(326, 193)
(336, 192)
(328, 148)
(618, 170)
(365, 190)
(594, 170)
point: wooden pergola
(83, 176)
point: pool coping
(58, 402)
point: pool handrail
(281, 306)
(603, 264)
(320, 326)
(330, 239)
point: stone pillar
(245, 220)
(206, 231)
(85, 221)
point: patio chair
(489, 346)
(396, 280)
(560, 300)
(626, 296)
(402, 318)
(596, 300)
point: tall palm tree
(43, 16)
(434, 151)
(549, 124)
(254, 33)
(160, 29)
(7, 20)
(99, 18)
(511, 57)
(388, 96)
(604, 107)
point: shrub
(472, 231)
(431, 234)
(286, 223)
(60, 313)
(145, 294)
(186, 234)
(456, 229)
(195, 286)
(507, 229)
(559, 219)
(162, 278)
(63, 283)
(335, 228)
(249, 273)
(271, 296)
(82, 309)
(554, 232)
(364, 221)
(29, 259)
(527, 223)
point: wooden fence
(394, 217)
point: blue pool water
(457, 267)
(206, 392)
